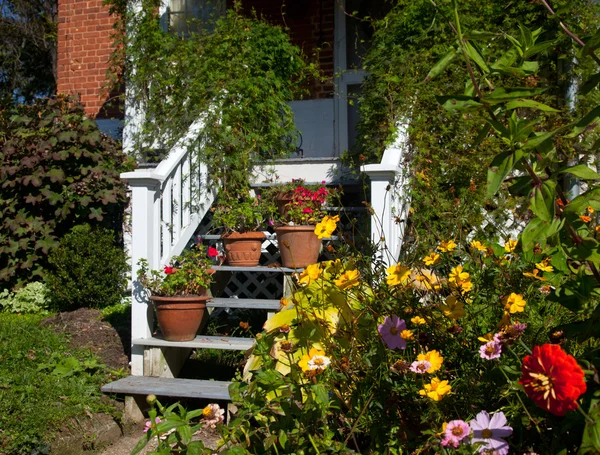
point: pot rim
(250, 235)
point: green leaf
(537, 48)
(590, 442)
(530, 104)
(185, 432)
(579, 205)
(440, 66)
(522, 186)
(588, 121)
(459, 102)
(474, 55)
(541, 200)
(501, 95)
(144, 440)
(587, 250)
(581, 171)
(500, 167)
(591, 45)
(574, 294)
(282, 439)
(539, 139)
(590, 84)
(480, 35)
(537, 231)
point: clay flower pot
(243, 249)
(299, 245)
(179, 317)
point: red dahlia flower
(552, 379)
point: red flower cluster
(552, 379)
(212, 252)
(302, 194)
(169, 270)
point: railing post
(145, 231)
(390, 208)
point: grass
(43, 384)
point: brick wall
(84, 48)
(311, 24)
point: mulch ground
(85, 328)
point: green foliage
(39, 391)
(241, 214)
(56, 171)
(187, 274)
(29, 42)
(415, 57)
(33, 298)
(237, 79)
(87, 269)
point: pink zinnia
(420, 366)
(307, 210)
(491, 350)
(390, 332)
(456, 431)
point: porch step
(169, 387)
(200, 342)
(247, 304)
(257, 269)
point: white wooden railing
(167, 204)
(390, 200)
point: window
(194, 16)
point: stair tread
(251, 304)
(170, 387)
(258, 268)
(200, 342)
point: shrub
(87, 269)
(56, 171)
(33, 298)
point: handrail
(390, 202)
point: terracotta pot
(243, 249)
(179, 318)
(299, 245)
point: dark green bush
(87, 269)
(56, 171)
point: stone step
(169, 387)
(200, 342)
(247, 304)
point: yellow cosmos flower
(425, 280)
(544, 266)
(434, 358)
(476, 244)
(325, 228)
(453, 308)
(310, 273)
(348, 279)
(284, 303)
(486, 338)
(408, 335)
(460, 279)
(418, 320)
(436, 389)
(514, 303)
(446, 246)
(397, 274)
(510, 246)
(535, 274)
(314, 360)
(333, 219)
(431, 259)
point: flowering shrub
(463, 355)
(187, 274)
(174, 428)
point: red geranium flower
(169, 270)
(212, 252)
(552, 379)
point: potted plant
(241, 218)
(179, 292)
(302, 221)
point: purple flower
(390, 332)
(490, 431)
(456, 431)
(420, 366)
(491, 350)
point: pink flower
(390, 332)
(307, 210)
(420, 366)
(169, 270)
(212, 252)
(456, 431)
(271, 222)
(148, 425)
(491, 431)
(491, 350)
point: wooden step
(169, 387)
(247, 304)
(200, 342)
(257, 269)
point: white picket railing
(167, 204)
(389, 200)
